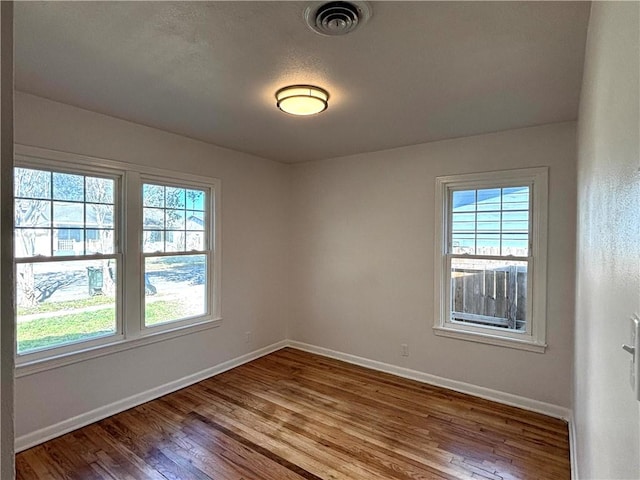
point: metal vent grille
(337, 18)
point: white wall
(363, 259)
(354, 243)
(608, 248)
(7, 326)
(255, 199)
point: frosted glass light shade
(302, 99)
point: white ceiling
(416, 72)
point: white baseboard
(39, 436)
(573, 447)
(482, 392)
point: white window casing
(479, 328)
(130, 331)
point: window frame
(208, 251)
(42, 354)
(534, 338)
(130, 329)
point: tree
(31, 212)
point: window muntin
(176, 254)
(66, 258)
(491, 284)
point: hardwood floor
(296, 416)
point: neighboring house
(174, 241)
(71, 232)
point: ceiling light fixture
(302, 99)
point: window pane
(464, 222)
(195, 220)
(515, 198)
(174, 288)
(68, 241)
(32, 213)
(153, 241)
(489, 222)
(515, 244)
(463, 243)
(489, 216)
(152, 195)
(30, 242)
(174, 241)
(99, 241)
(68, 215)
(464, 200)
(153, 218)
(489, 293)
(64, 302)
(515, 227)
(195, 199)
(488, 244)
(175, 219)
(29, 183)
(99, 215)
(518, 216)
(489, 195)
(100, 190)
(67, 186)
(489, 199)
(522, 206)
(515, 194)
(175, 197)
(195, 241)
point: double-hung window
(491, 257)
(68, 257)
(109, 256)
(175, 250)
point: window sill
(30, 367)
(491, 339)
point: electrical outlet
(247, 338)
(405, 350)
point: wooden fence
(496, 297)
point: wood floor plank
(347, 443)
(292, 415)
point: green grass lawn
(71, 327)
(67, 305)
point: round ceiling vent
(337, 18)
